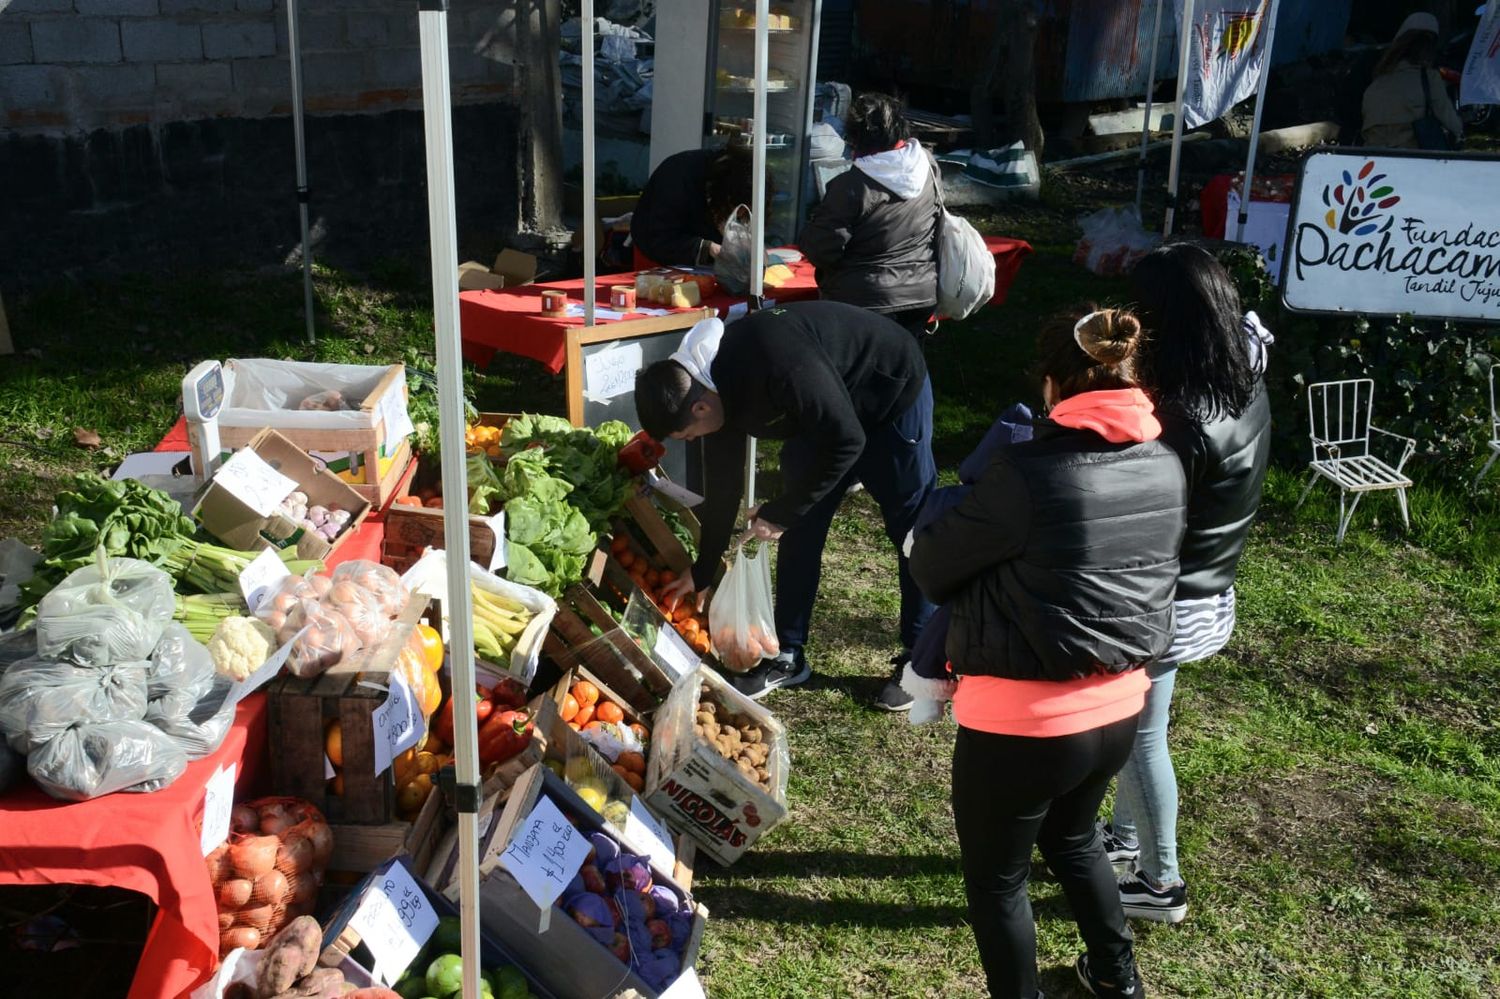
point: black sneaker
(786, 670)
(893, 697)
(1121, 851)
(1142, 900)
(1098, 987)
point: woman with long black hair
(1202, 365)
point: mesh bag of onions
(269, 871)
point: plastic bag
(41, 699)
(180, 666)
(732, 265)
(363, 609)
(187, 697)
(201, 729)
(110, 612)
(1113, 240)
(287, 595)
(740, 618)
(380, 581)
(329, 638)
(87, 761)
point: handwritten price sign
(395, 920)
(545, 854)
(398, 724)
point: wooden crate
(299, 711)
(368, 443)
(566, 959)
(360, 849)
(409, 530)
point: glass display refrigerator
(704, 91)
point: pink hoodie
(1042, 709)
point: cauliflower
(240, 646)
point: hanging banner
(1388, 233)
(1481, 79)
(1224, 54)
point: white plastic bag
(110, 612)
(41, 699)
(966, 268)
(732, 265)
(202, 727)
(87, 761)
(1113, 240)
(741, 620)
(186, 696)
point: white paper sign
(675, 653)
(673, 491)
(544, 854)
(398, 724)
(644, 829)
(218, 801)
(1390, 232)
(686, 986)
(394, 414)
(328, 772)
(395, 920)
(253, 482)
(268, 669)
(497, 524)
(611, 372)
(261, 576)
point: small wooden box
(349, 691)
(360, 849)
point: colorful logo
(1357, 206)
(1239, 34)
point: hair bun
(1109, 336)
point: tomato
(619, 543)
(432, 645)
(626, 558)
(569, 707)
(608, 711)
(632, 762)
(586, 693)
(666, 576)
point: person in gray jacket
(873, 237)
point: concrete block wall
(71, 66)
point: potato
(751, 733)
(323, 983)
(291, 954)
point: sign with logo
(1395, 233)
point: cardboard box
(565, 958)
(700, 793)
(341, 943)
(510, 269)
(236, 524)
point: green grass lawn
(1339, 763)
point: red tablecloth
(510, 321)
(145, 842)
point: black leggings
(1010, 792)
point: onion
(234, 893)
(274, 820)
(252, 856)
(226, 920)
(321, 838)
(257, 917)
(243, 819)
(271, 888)
(239, 936)
(294, 856)
(218, 864)
(321, 585)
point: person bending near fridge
(679, 219)
(848, 393)
(1059, 566)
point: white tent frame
(294, 53)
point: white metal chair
(1494, 430)
(1338, 415)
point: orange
(633, 762)
(608, 711)
(634, 780)
(333, 743)
(569, 709)
(586, 693)
(584, 716)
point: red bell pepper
(505, 734)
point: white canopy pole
(1269, 29)
(590, 227)
(758, 206)
(1185, 43)
(1140, 175)
(294, 47)
(432, 21)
